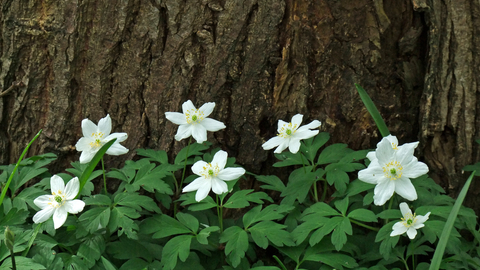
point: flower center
(409, 219)
(58, 199)
(287, 130)
(194, 116)
(393, 170)
(97, 140)
(394, 146)
(210, 171)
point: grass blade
(442, 243)
(372, 109)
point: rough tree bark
(259, 60)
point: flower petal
(218, 186)
(385, 153)
(311, 125)
(415, 169)
(87, 156)
(282, 146)
(371, 155)
(120, 136)
(83, 144)
(176, 118)
(392, 139)
(373, 174)
(74, 207)
(305, 134)
(43, 215)
(196, 184)
(57, 185)
(88, 128)
(404, 188)
(199, 133)
(297, 120)
(117, 149)
(281, 123)
(184, 131)
(294, 145)
(212, 124)
(220, 159)
(188, 105)
(202, 192)
(383, 191)
(43, 201)
(228, 174)
(398, 229)
(198, 167)
(421, 219)
(411, 232)
(72, 188)
(207, 108)
(405, 152)
(273, 142)
(405, 209)
(105, 125)
(59, 217)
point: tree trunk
(259, 60)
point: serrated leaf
(154, 155)
(91, 250)
(189, 199)
(364, 215)
(326, 229)
(178, 246)
(237, 244)
(390, 214)
(205, 233)
(274, 183)
(136, 201)
(339, 235)
(107, 265)
(241, 198)
(335, 260)
(333, 153)
(98, 199)
(339, 178)
(311, 146)
(271, 212)
(194, 149)
(121, 219)
(288, 159)
(189, 221)
(94, 218)
(163, 226)
(342, 205)
(126, 249)
(321, 209)
(272, 231)
(299, 183)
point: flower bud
(9, 238)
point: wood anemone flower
(410, 222)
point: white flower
(212, 176)
(391, 168)
(94, 137)
(410, 223)
(290, 134)
(60, 203)
(194, 122)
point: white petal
(228, 174)
(43, 201)
(282, 146)
(297, 120)
(120, 136)
(105, 125)
(72, 188)
(405, 209)
(392, 139)
(87, 156)
(398, 228)
(220, 159)
(417, 226)
(176, 118)
(184, 131)
(385, 153)
(404, 188)
(371, 155)
(199, 133)
(281, 123)
(187, 105)
(74, 207)
(212, 124)
(218, 186)
(421, 219)
(202, 193)
(383, 191)
(83, 144)
(59, 217)
(294, 145)
(117, 149)
(43, 215)
(57, 185)
(373, 174)
(198, 167)
(411, 232)
(207, 108)
(415, 169)
(405, 152)
(304, 134)
(196, 184)
(88, 128)
(273, 142)
(311, 125)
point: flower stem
(104, 178)
(303, 163)
(364, 225)
(14, 266)
(325, 186)
(389, 207)
(279, 262)
(220, 213)
(315, 193)
(184, 166)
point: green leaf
(91, 250)
(126, 249)
(288, 159)
(163, 226)
(237, 244)
(178, 246)
(136, 201)
(442, 243)
(271, 212)
(333, 153)
(326, 229)
(154, 155)
(26, 197)
(134, 264)
(107, 265)
(122, 218)
(363, 215)
(372, 109)
(194, 149)
(299, 183)
(241, 198)
(357, 186)
(321, 209)
(272, 231)
(311, 146)
(390, 214)
(205, 233)
(274, 183)
(98, 199)
(339, 178)
(342, 205)
(93, 218)
(339, 235)
(21, 263)
(150, 178)
(189, 221)
(92, 164)
(189, 199)
(335, 260)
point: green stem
(364, 225)
(303, 163)
(104, 178)
(406, 264)
(184, 166)
(32, 238)
(325, 186)
(315, 193)
(14, 266)
(279, 262)
(389, 207)
(220, 213)
(4, 191)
